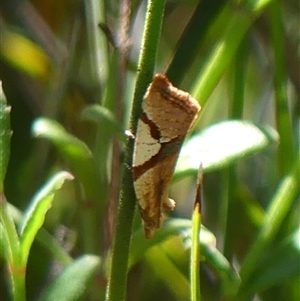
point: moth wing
(153, 200)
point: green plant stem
(283, 120)
(119, 262)
(226, 48)
(279, 207)
(148, 56)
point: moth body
(168, 113)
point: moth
(167, 115)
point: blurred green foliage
(69, 69)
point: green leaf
(209, 253)
(174, 226)
(74, 151)
(73, 281)
(11, 248)
(68, 144)
(5, 134)
(168, 272)
(9, 236)
(105, 118)
(44, 238)
(222, 144)
(278, 264)
(229, 278)
(35, 214)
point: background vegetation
(73, 73)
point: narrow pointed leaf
(35, 215)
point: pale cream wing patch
(145, 145)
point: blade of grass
(192, 39)
(283, 120)
(226, 48)
(195, 249)
(278, 209)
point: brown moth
(168, 113)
